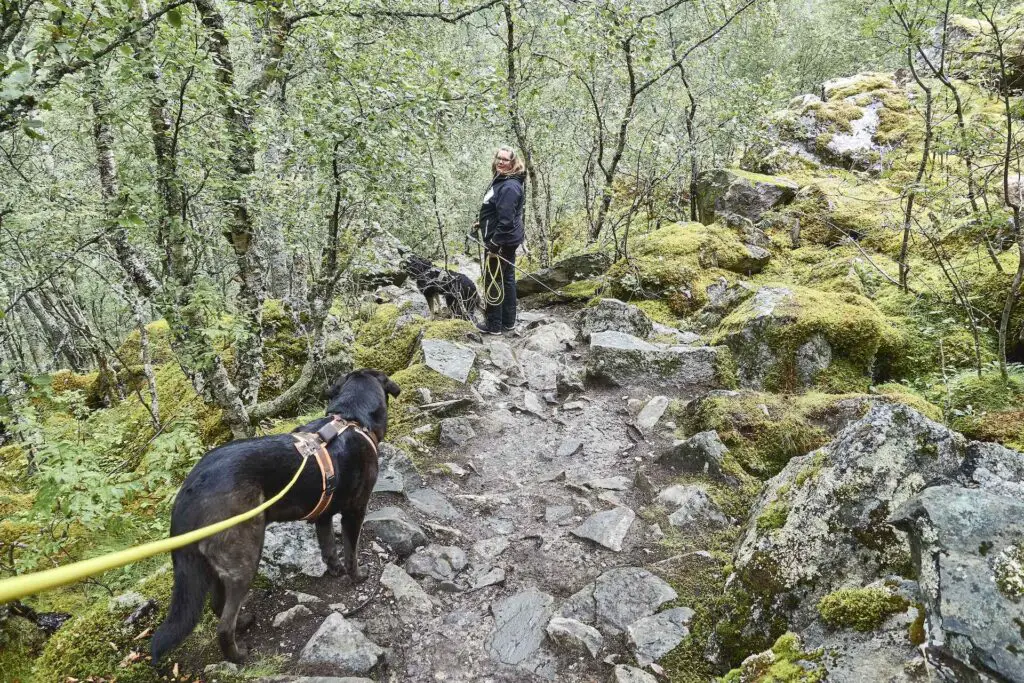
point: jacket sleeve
(506, 203)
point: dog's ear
(386, 383)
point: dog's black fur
(458, 290)
(243, 474)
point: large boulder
(562, 273)
(612, 314)
(620, 359)
(376, 263)
(968, 549)
(722, 192)
(788, 338)
(821, 523)
(677, 262)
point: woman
(501, 226)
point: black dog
(458, 290)
(243, 474)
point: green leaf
(174, 17)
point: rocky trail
(519, 554)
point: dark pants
(503, 314)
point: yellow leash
(494, 287)
(29, 584)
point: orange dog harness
(311, 445)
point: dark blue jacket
(501, 215)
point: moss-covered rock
(792, 338)
(785, 662)
(863, 609)
(159, 334)
(987, 408)
(387, 341)
(677, 263)
(733, 191)
(20, 644)
(99, 643)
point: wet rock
(630, 674)
(612, 314)
(569, 381)
(393, 527)
(694, 508)
(448, 358)
(620, 359)
(651, 638)
(702, 453)
(575, 636)
(290, 548)
(456, 431)
(550, 339)
(539, 369)
(395, 459)
(413, 601)
(732, 191)
(821, 523)
(519, 625)
(490, 548)
(619, 483)
(290, 616)
(442, 563)
(558, 514)
(607, 528)
(618, 598)
(652, 412)
(502, 356)
(562, 273)
(967, 548)
(432, 503)
(340, 644)
(569, 447)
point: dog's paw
(358, 574)
(335, 567)
(240, 654)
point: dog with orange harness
(242, 474)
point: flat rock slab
(519, 626)
(631, 674)
(620, 359)
(502, 356)
(314, 679)
(490, 548)
(448, 358)
(651, 638)
(550, 338)
(619, 483)
(439, 562)
(569, 447)
(575, 636)
(607, 528)
(413, 601)
(558, 514)
(652, 412)
(290, 548)
(431, 503)
(338, 643)
(456, 431)
(618, 598)
(491, 577)
(533, 404)
(290, 616)
(392, 526)
(695, 508)
(389, 481)
(540, 370)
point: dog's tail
(193, 578)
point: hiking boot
(487, 330)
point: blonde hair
(518, 166)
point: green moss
(907, 396)
(20, 644)
(382, 344)
(403, 415)
(97, 642)
(850, 324)
(454, 329)
(862, 609)
(658, 311)
(893, 127)
(774, 516)
(66, 380)
(160, 352)
(863, 83)
(836, 114)
(1008, 571)
(813, 469)
(762, 431)
(584, 290)
(785, 662)
(915, 632)
(678, 262)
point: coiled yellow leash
(20, 586)
(494, 286)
